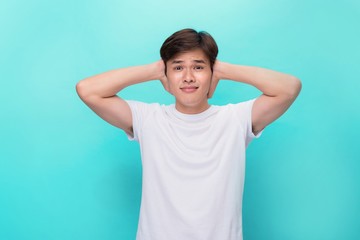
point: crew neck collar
(192, 117)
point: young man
(193, 153)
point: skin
(190, 80)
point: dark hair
(186, 40)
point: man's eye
(199, 67)
(178, 68)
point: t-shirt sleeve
(139, 111)
(244, 111)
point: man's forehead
(197, 56)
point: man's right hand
(162, 75)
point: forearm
(269, 82)
(109, 83)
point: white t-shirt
(193, 170)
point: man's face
(189, 75)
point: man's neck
(191, 109)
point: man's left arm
(279, 90)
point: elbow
(294, 87)
(81, 89)
(297, 86)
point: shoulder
(142, 108)
(137, 105)
(240, 113)
(244, 107)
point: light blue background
(67, 174)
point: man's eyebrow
(176, 61)
(199, 61)
(181, 61)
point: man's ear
(165, 68)
(169, 87)
(165, 82)
(213, 84)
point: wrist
(151, 70)
(158, 69)
(222, 69)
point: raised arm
(99, 92)
(279, 90)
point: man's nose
(189, 77)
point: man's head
(189, 57)
(186, 40)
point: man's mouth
(189, 89)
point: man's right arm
(99, 92)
